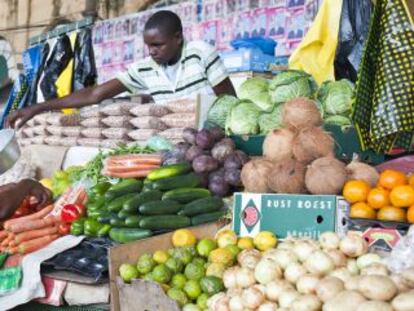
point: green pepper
(97, 202)
(101, 188)
(77, 227)
(92, 227)
(96, 213)
(104, 231)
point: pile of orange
(391, 200)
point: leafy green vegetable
(257, 90)
(159, 143)
(336, 97)
(271, 120)
(338, 120)
(218, 112)
(243, 119)
(291, 84)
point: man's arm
(225, 87)
(85, 97)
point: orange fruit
(378, 197)
(356, 191)
(410, 214)
(362, 210)
(390, 179)
(411, 180)
(402, 196)
(391, 213)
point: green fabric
(10, 279)
(3, 257)
(34, 306)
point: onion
(282, 257)
(254, 175)
(352, 283)
(319, 263)
(277, 145)
(368, 259)
(266, 271)
(325, 176)
(287, 297)
(338, 257)
(408, 277)
(214, 301)
(267, 306)
(375, 269)
(311, 144)
(234, 291)
(344, 301)
(306, 303)
(249, 258)
(300, 113)
(274, 288)
(236, 303)
(377, 287)
(361, 171)
(294, 271)
(404, 301)
(307, 284)
(399, 282)
(245, 278)
(230, 277)
(352, 266)
(261, 287)
(329, 240)
(303, 249)
(252, 298)
(353, 246)
(329, 287)
(375, 305)
(287, 244)
(341, 273)
(287, 177)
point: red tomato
(64, 228)
(71, 212)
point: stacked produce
(388, 197)
(170, 197)
(131, 166)
(213, 157)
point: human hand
(18, 118)
(33, 188)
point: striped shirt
(200, 69)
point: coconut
(287, 177)
(325, 175)
(361, 171)
(254, 175)
(277, 145)
(312, 143)
(301, 113)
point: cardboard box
(129, 253)
(288, 215)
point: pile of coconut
(299, 157)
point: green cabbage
(257, 90)
(218, 112)
(291, 84)
(271, 120)
(338, 120)
(243, 119)
(336, 97)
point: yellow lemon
(183, 237)
(222, 256)
(245, 243)
(226, 237)
(46, 182)
(265, 240)
(160, 257)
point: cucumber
(116, 204)
(133, 221)
(124, 214)
(106, 218)
(208, 217)
(124, 187)
(186, 181)
(202, 206)
(148, 187)
(160, 207)
(117, 222)
(186, 195)
(164, 222)
(124, 235)
(169, 171)
(132, 204)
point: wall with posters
(118, 42)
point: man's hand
(33, 188)
(18, 118)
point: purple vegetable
(217, 133)
(193, 152)
(172, 157)
(203, 179)
(219, 187)
(232, 177)
(204, 139)
(189, 135)
(204, 163)
(216, 174)
(236, 160)
(223, 149)
(173, 160)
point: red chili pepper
(71, 212)
(64, 228)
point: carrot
(134, 156)
(38, 215)
(3, 235)
(12, 250)
(13, 243)
(7, 240)
(136, 159)
(33, 224)
(130, 168)
(35, 244)
(134, 174)
(32, 234)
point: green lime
(234, 249)
(211, 285)
(191, 249)
(191, 307)
(205, 246)
(178, 295)
(148, 277)
(128, 272)
(161, 274)
(215, 269)
(160, 256)
(175, 265)
(183, 254)
(199, 261)
(178, 281)
(145, 263)
(202, 301)
(192, 289)
(194, 271)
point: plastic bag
(84, 72)
(44, 52)
(142, 134)
(159, 143)
(353, 31)
(111, 143)
(55, 130)
(88, 142)
(64, 81)
(182, 106)
(71, 131)
(402, 254)
(92, 132)
(176, 120)
(115, 133)
(266, 45)
(90, 112)
(148, 123)
(117, 109)
(117, 122)
(91, 122)
(174, 133)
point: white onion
(352, 267)
(329, 240)
(234, 291)
(261, 287)
(287, 244)
(267, 306)
(375, 269)
(294, 271)
(341, 273)
(399, 282)
(303, 249)
(338, 257)
(353, 246)
(252, 297)
(282, 257)
(236, 304)
(329, 287)
(287, 297)
(245, 278)
(273, 289)
(306, 303)
(230, 277)
(319, 263)
(352, 283)
(368, 259)
(307, 284)
(249, 258)
(266, 271)
(211, 302)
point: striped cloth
(200, 69)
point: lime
(178, 295)
(192, 250)
(160, 256)
(245, 243)
(222, 255)
(183, 237)
(161, 274)
(184, 255)
(194, 271)
(265, 240)
(226, 237)
(199, 261)
(215, 269)
(145, 264)
(191, 307)
(175, 265)
(202, 301)
(148, 277)
(211, 285)
(192, 289)
(234, 249)
(128, 272)
(205, 246)
(178, 281)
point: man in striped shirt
(175, 69)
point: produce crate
(289, 215)
(346, 145)
(121, 299)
